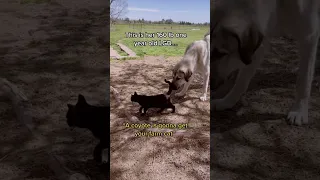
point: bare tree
(118, 8)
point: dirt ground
(52, 51)
(250, 141)
(184, 155)
(254, 141)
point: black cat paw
(97, 156)
(93, 161)
(98, 160)
(102, 163)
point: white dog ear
(249, 42)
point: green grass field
(192, 33)
(34, 1)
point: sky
(194, 11)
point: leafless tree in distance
(118, 8)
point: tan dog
(240, 30)
(196, 59)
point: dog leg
(145, 110)
(97, 153)
(298, 114)
(185, 88)
(242, 82)
(205, 86)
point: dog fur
(196, 59)
(240, 32)
(94, 118)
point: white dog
(196, 59)
(240, 32)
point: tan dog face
(232, 49)
(180, 76)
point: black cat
(156, 101)
(94, 118)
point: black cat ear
(135, 93)
(81, 99)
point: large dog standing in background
(196, 59)
(240, 31)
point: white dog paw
(221, 104)
(203, 97)
(298, 115)
(297, 118)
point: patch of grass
(119, 50)
(34, 1)
(130, 58)
(118, 34)
(124, 59)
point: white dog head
(233, 43)
(180, 75)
